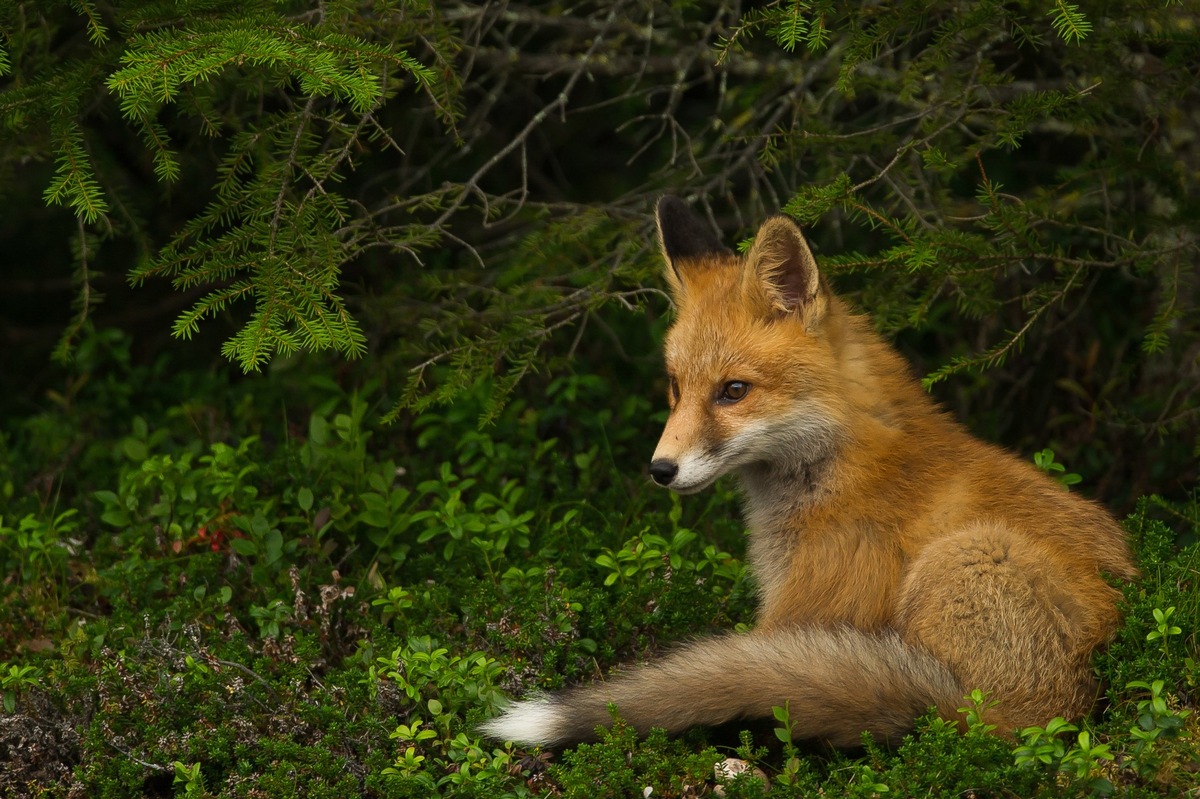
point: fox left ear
(781, 264)
(682, 233)
(683, 236)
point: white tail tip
(531, 722)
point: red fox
(901, 563)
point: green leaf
(135, 449)
(243, 546)
(273, 543)
(318, 430)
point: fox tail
(836, 683)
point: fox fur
(900, 562)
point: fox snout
(690, 455)
(663, 471)
(687, 470)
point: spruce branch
(1165, 316)
(97, 32)
(74, 182)
(86, 297)
(157, 65)
(792, 28)
(1069, 22)
(1013, 340)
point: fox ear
(781, 263)
(683, 235)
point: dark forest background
(459, 190)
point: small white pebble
(729, 768)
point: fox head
(750, 357)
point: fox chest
(821, 577)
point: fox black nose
(663, 471)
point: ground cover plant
(329, 334)
(288, 596)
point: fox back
(901, 562)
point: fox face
(739, 395)
(707, 434)
(747, 363)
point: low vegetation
(253, 588)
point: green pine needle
(1069, 22)
(74, 182)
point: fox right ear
(683, 235)
(782, 271)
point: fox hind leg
(986, 603)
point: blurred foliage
(1005, 186)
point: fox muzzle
(663, 471)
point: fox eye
(733, 391)
(674, 390)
